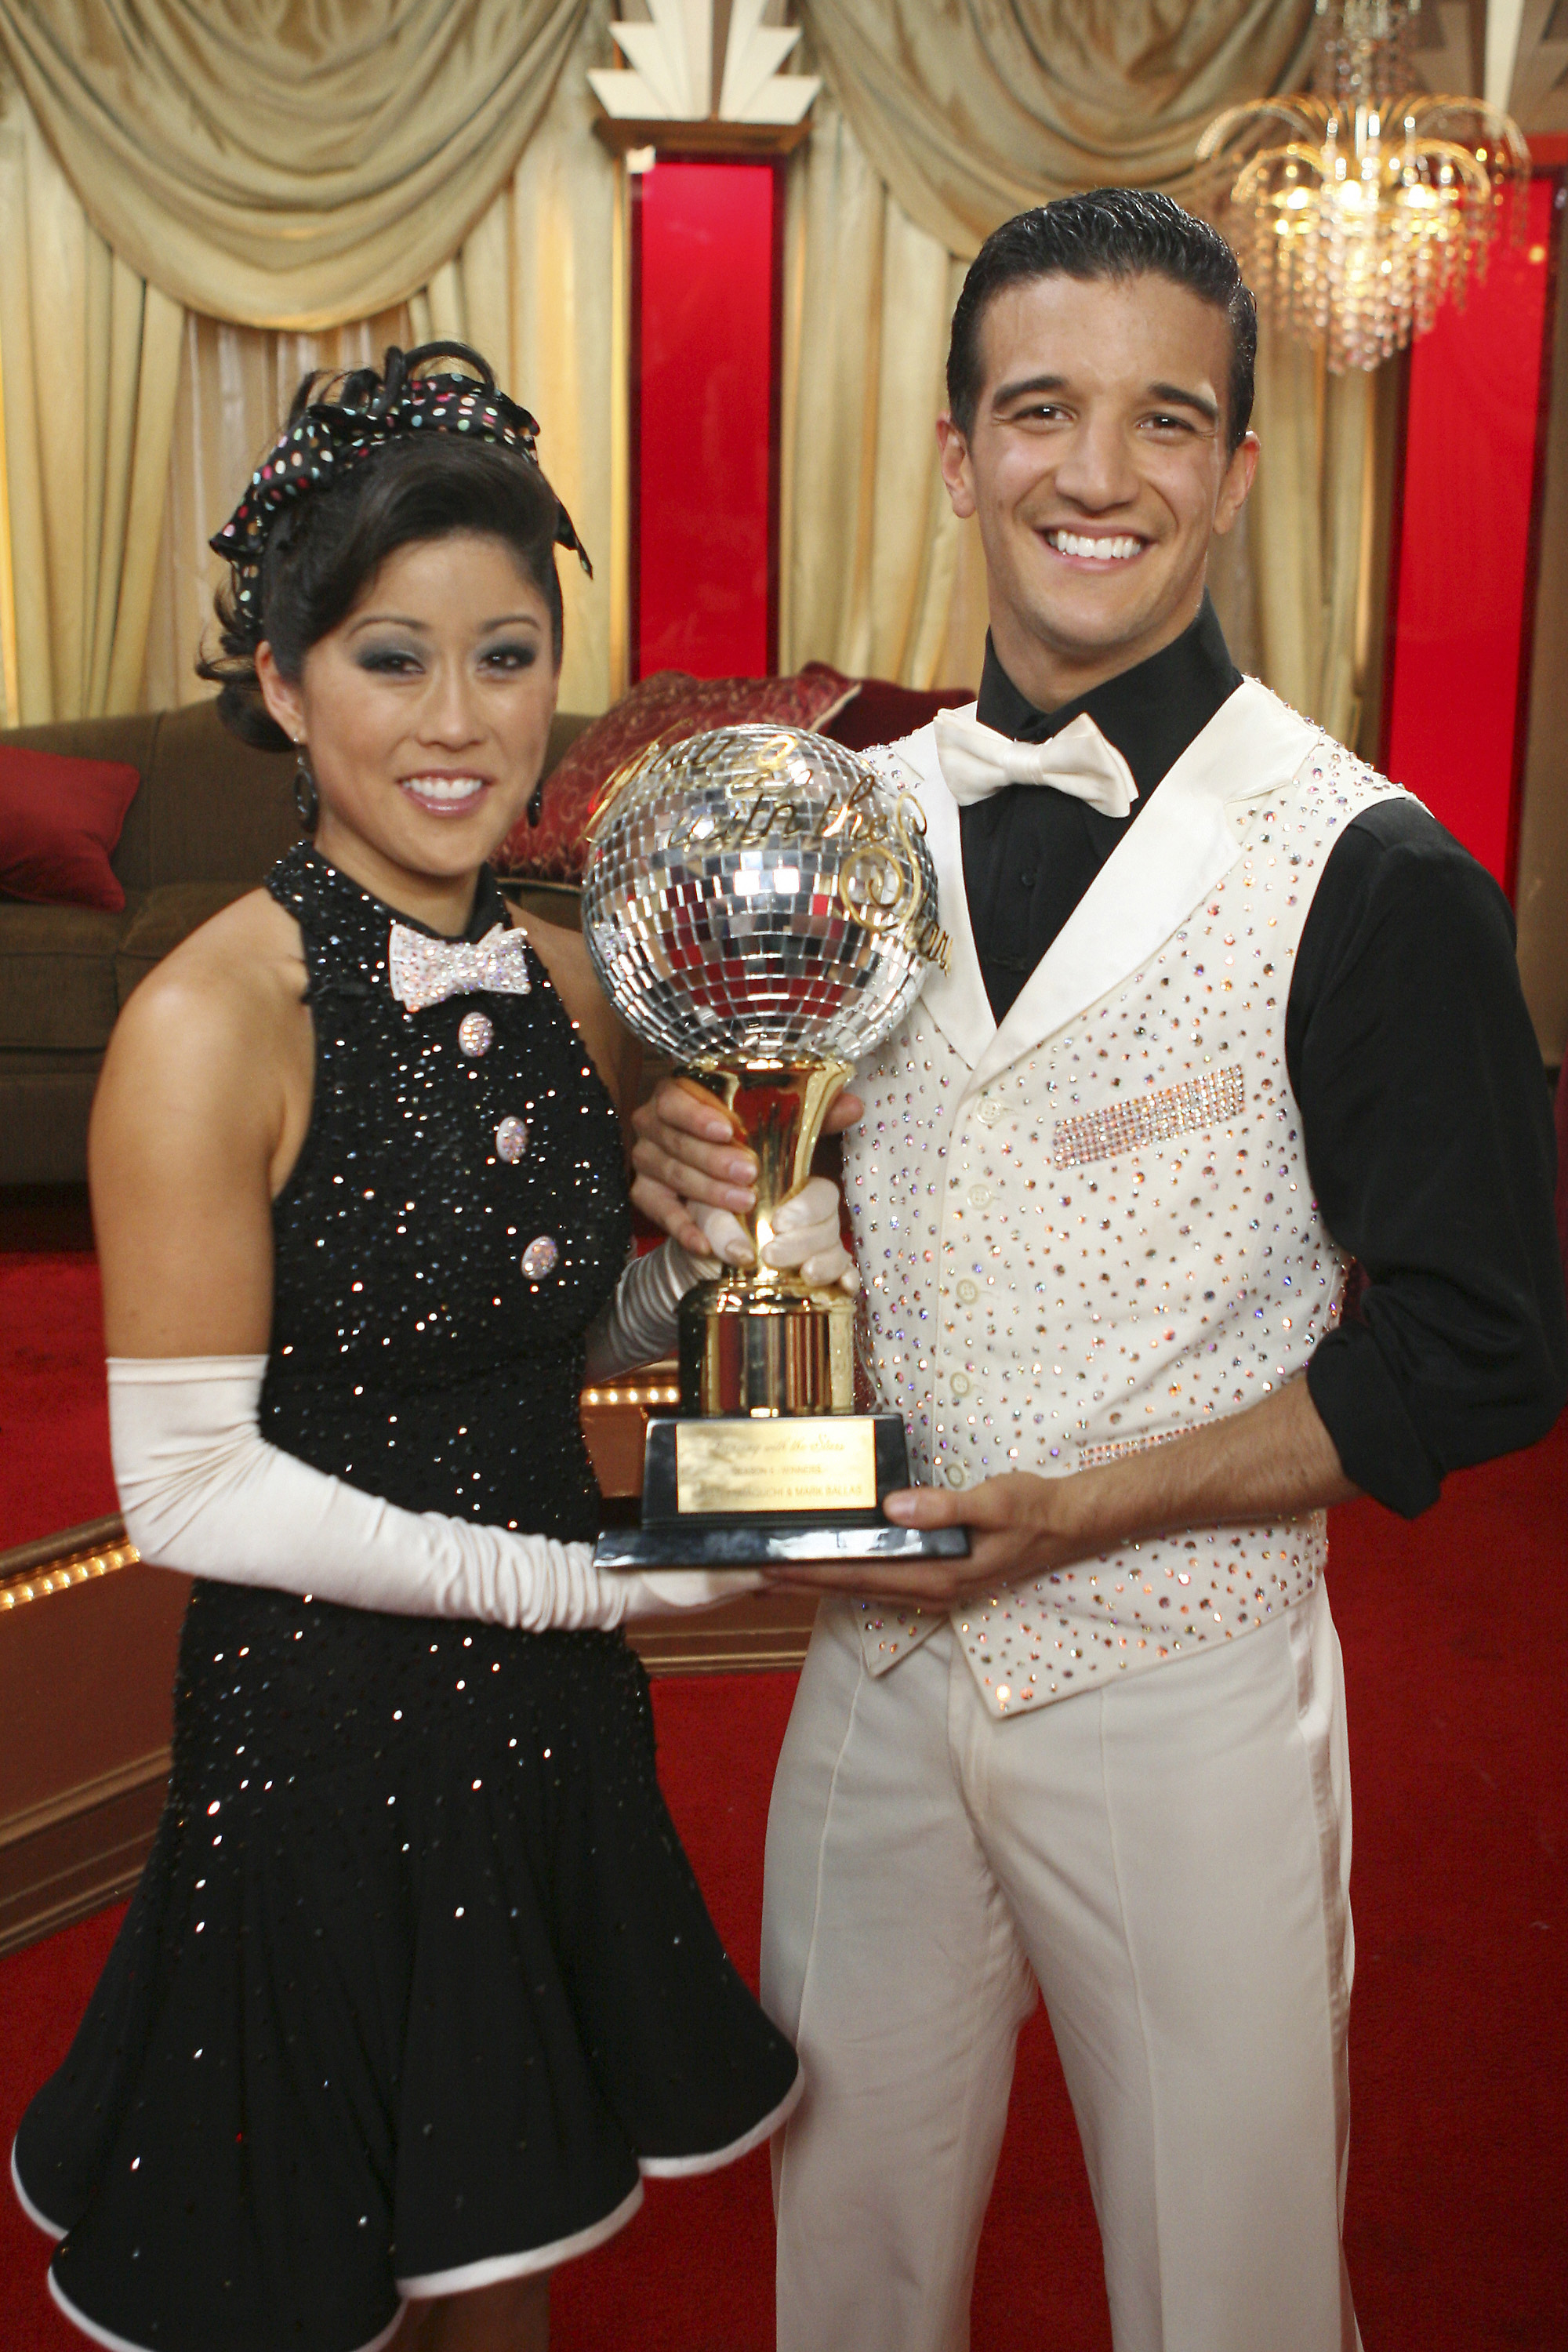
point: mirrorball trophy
(760, 905)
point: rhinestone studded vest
(1111, 1242)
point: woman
(417, 1982)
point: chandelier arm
(1294, 114)
(1460, 160)
(1245, 192)
(1500, 128)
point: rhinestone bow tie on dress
(423, 970)
(976, 761)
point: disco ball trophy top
(760, 905)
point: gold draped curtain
(197, 206)
(975, 110)
(283, 164)
(527, 285)
(153, 325)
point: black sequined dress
(417, 1981)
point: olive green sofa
(209, 819)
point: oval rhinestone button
(476, 1035)
(511, 1139)
(539, 1258)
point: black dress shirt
(1424, 1111)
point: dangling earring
(307, 798)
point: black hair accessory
(327, 439)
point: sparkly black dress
(417, 1981)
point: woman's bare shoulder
(230, 991)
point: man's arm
(1275, 1461)
(1427, 1130)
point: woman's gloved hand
(804, 1238)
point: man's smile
(1100, 549)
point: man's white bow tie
(976, 761)
(423, 970)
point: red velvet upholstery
(883, 713)
(664, 708)
(59, 819)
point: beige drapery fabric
(1307, 531)
(235, 385)
(877, 577)
(288, 165)
(529, 288)
(976, 109)
(90, 356)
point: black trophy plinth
(732, 1491)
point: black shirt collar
(1151, 712)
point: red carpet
(54, 1427)
(1456, 1641)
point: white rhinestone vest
(1110, 1243)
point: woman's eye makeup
(511, 655)
(388, 660)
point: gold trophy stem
(758, 1341)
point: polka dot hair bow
(328, 437)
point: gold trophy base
(791, 1491)
(769, 1461)
(766, 1348)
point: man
(1223, 1011)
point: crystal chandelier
(1356, 211)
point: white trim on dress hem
(682, 2167)
(489, 2272)
(496, 2267)
(39, 2220)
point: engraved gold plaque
(814, 1464)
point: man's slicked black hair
(1108, 233)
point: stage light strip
(59, 1574)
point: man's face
(1099, 468)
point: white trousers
(1168, 1860)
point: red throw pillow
(884, 713)
(667, 706)
(59, 820)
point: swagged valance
(974, 111)
(288, 163)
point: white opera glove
(201, 1490)
(642, 1321)
(805, 1237)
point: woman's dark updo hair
(325, 549)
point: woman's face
(426, 714)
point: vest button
(955, 1473)
(960, 1384)
(967, 1292)
(980, 1196)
